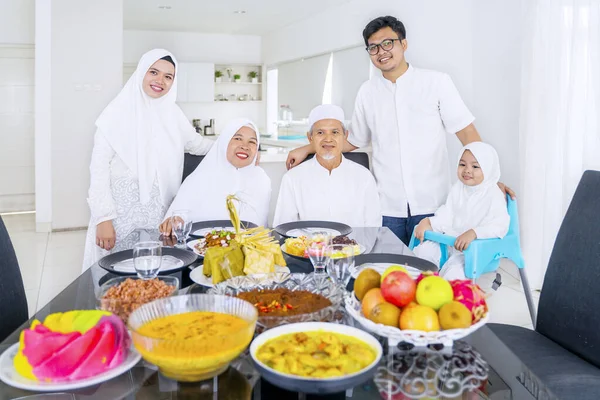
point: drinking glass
(147, 257)
(341, 261)
(317, 250)
(181, 225)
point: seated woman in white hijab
(228, 169)
(475, 209)
(137, 160)
(328, 187)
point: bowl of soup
(193, 337)
(316, 357)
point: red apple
(398, 288)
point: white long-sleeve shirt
(407, 123)
(348, 195)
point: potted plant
(218, 76)
(253, 75)
(237, 78)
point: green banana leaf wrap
(253, 251)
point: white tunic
(406, 124)
(137, 160)
(114, 195)
(347, 195)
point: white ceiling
(217, 16)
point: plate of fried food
(214, 238)
(297, 247)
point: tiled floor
(50, 261)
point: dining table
(478, 366)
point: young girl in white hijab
(475, 209)
(229, 168)
(137, 160)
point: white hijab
(205, 190)
(468, 207)
(148, 134)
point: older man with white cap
(328, 187)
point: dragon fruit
(425, 274)
(470, 295)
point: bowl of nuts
(124, 294)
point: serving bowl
(296, 281)
(310, 384)
(193, 358)
(130, 300)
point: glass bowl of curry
(193, 337)
(284, 298)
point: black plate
(211, 224)
(188, 258)
(283, 229)
(415, 262)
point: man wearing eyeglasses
(405, 114)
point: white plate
(381, 267)
(309, 231)
(362, 250)
(10, 376)
(192, 246)
(168, 263)
(197, 275)
(204, 231)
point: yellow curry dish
(316, 354)
(193, 345)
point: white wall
(17, 21)
(203, 47)
(190, 46)
(467, 39)
(86, 63)
(17, 176)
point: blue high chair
(483, 255)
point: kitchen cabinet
(195, 82)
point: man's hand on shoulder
(296, 156)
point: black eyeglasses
(385, 45)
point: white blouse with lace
(114, 195)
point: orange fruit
(371, 299)
(386, 314)
(420, 318)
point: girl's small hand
(421, 228)
(463, 241)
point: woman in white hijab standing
(475, 209)
(137, 160)
(228, 169)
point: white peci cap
(326, 111)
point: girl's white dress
(481, 208)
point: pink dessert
(72, 345)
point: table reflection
(417, 372)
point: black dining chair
(562, 354)
(13, 303)
(190, 162)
